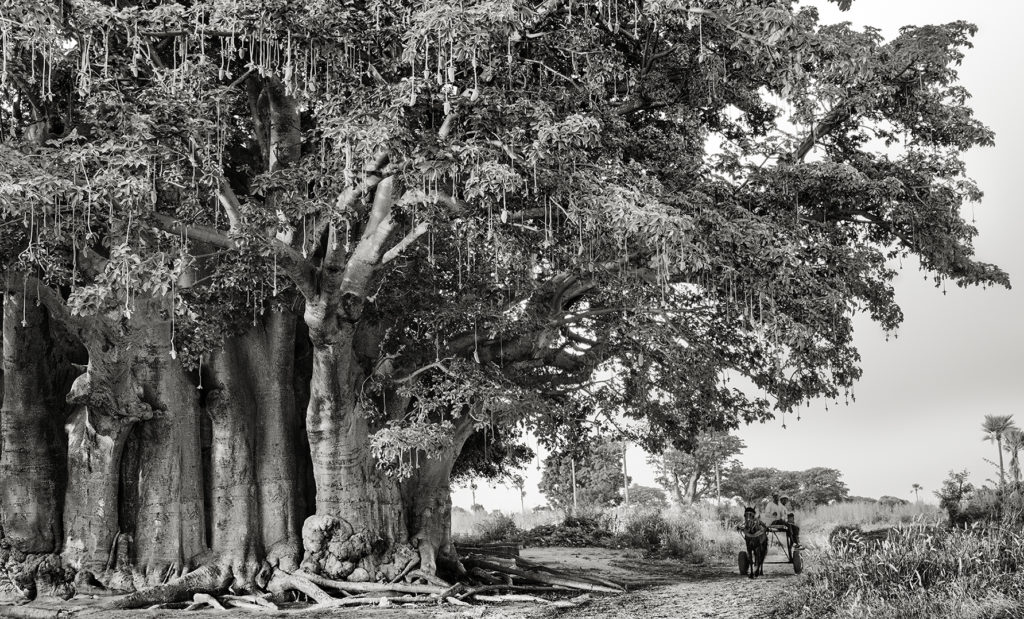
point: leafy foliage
(671, 193)
(814, 486)
(690, 475)
(599, 477)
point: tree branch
(402, 245)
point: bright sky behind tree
(958, 356)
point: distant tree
(1013, 443)
(954, 494)
(814, 486)
(690, 475)
(520, 485)
(648, 497)
(819, 485)
(892, 501)
(477, 508)
(599, 476)
(917, 488)
(757, 483)
(996, 427)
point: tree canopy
(689, 190)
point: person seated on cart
(778, 510)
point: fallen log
(371, 587)
(542, 577)
(533, 565)
(430, 578)
(499, 550)
(484, 576)
(523, 588)
(386, 601)
(518, 597)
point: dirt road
(664, 588)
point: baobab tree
(428, 226)
(996, 427)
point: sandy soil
(658, 588)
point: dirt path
(663, 589)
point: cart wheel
(798, 563)
(744, 562)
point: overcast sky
(957, 357)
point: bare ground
(658, 588)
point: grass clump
(916, 571)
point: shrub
(673, 534)
(497, 527)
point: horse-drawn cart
(780, 533)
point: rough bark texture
(255, 488)
(31, 454)
(354, 499)
(233, 510)
(429, 501)
(278, 425)
(170, 521)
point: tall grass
(916, 572)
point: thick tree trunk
(170, 521)
(31, 444)
(233, 506)
(359, 523)
(95, 443)
(278, 426)
(691, 487)
(255, 490)
(429, 500)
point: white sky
(958, 357)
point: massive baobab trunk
(31, 454)
(255, 488)
(170, 529)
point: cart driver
(778, 512)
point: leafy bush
(497, 527)
(675, 534)
(919, 571)
(644, 529)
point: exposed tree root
(210, 578)
(282, 582)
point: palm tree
(917, 488)
(995, 428)
(1014, 442)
